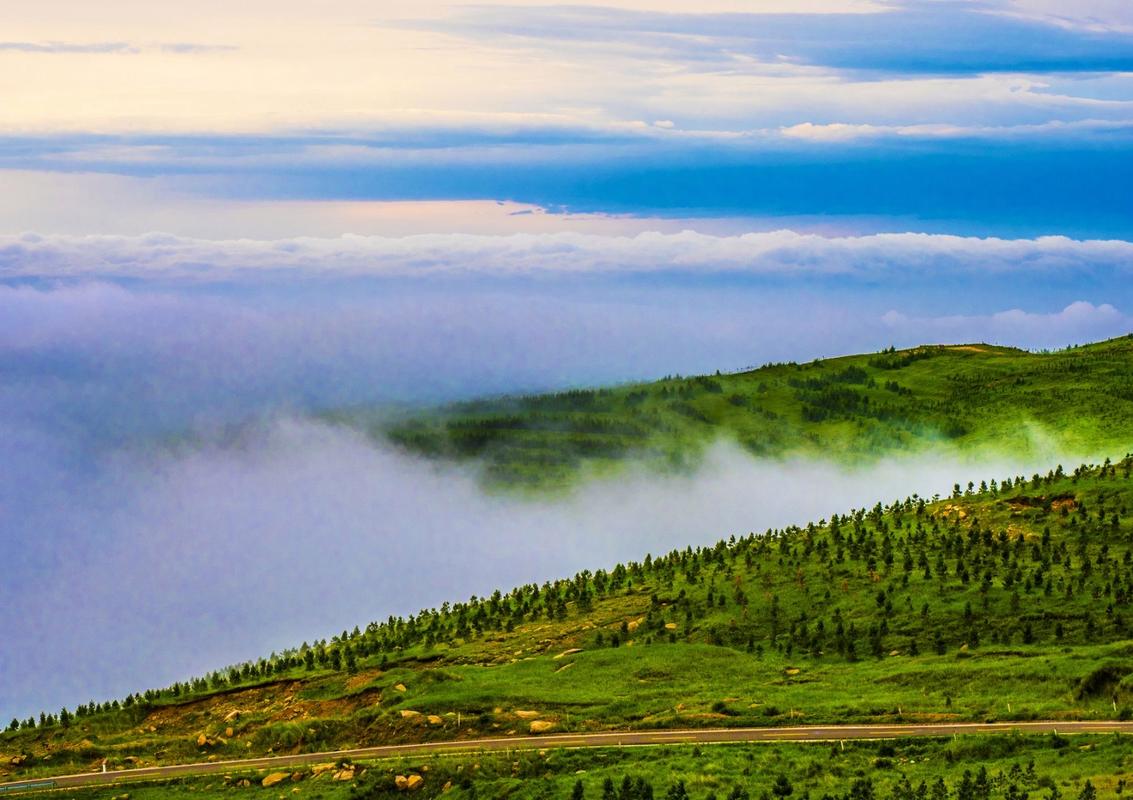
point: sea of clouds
(170, 503)
(781, 253)
(153, 564)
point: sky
(219, 219)
(1011, 117)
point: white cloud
(845, 132)
(1079, 321)
(783, 253)
(53, 48)
(110, 48)
(1106, 16)
(282, 68)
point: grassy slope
(1012, 603)
(975, 397)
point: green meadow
(969, 768)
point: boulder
(527, 714)
(346, 774)
(400, 687)
(16, 761)
(401, 782)
(274, 778)
(414, 782)
(202, 740)
(435, 720)
(229, 732)
(319, 769)
(409, 714)
(541, 726)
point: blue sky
(218, 218)
(1010, 117)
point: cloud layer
(1008, 117)
(904, 38)
(158, 461)
(1080, 321)
(779, 254)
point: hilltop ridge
(973, 398)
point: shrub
(1102, 680)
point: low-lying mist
(138, 550)
(163, 562)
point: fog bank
(152, 529)
(161, 563)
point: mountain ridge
(971, 398)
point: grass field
(970, 398)
(1011, 768)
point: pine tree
(861, 789)
(677, 791)
(782, 787)
(627, 791)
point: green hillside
(1008, 601)
(974, 398)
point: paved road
(816, 733)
